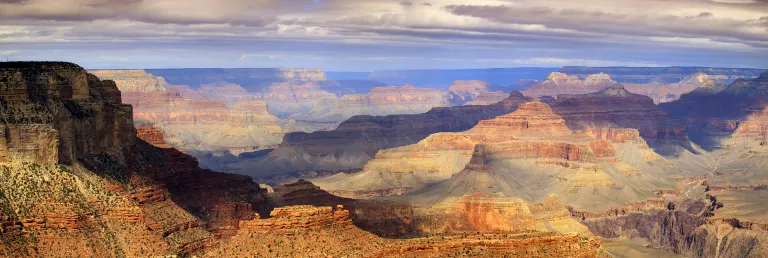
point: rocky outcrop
(533, 133)
(715, 116)
(559, 83)
(488, 98)
(615, 107)
(684, 234)
(294, 219)
(218, 119)
(132, 80)
(357, 140)
(465, 91)
(93, 177)
(151, 135)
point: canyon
(580, 174)
(218, 122)
(79, 178)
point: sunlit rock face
(76, 181)
(213, 119)
(559, 83)
(357, 139)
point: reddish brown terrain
(355, 141)
(92, 188)
(78, 179)
(218, 122)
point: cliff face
(72, 162)
(213, 119)
(441, 155)
(615, 107)
(356, 140)
(132, 80)
(50, 110)
(563, 84)
(559, 83)
(105, 192)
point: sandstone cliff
(356, 140)
(559, 83)
(77, 181)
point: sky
(366, 35)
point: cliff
(559, 83)
(563, 84)
(357, 139)
(214, 119)
(77, 181)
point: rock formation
(379, 101)
(465, 91)
(356, 140)
(615, 107)
(77, 181)
(488, 98)
(219, 119)
(559, 83)
(132, 80)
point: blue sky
(365, 35)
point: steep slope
(731, 123)
(219, 119)
(615, 107)
(356, 140)
(76, 181)
(441, 155)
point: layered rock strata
(356, 140)
(112, 193)
(559, 83)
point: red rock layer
(294, 219)
(356, 140)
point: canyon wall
(83, 184)
(357, 139)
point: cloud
(675, 32)
(9, 52)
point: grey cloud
(702, 26)
(406, 4)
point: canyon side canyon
(580, 162)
